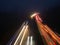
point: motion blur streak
(24, 34)
(50, 41)
(53, 34)
(46, 36)
(19, 35)
(19, 38)
(46, 32)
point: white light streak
(31, 41)
(28, 40)
(24, 34)
(19, 35)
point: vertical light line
(28, 40)
(31, 41)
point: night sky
(14, 12)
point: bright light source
(31, 41)
(34, 15)
(28, 40)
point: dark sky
(25, 5)
(14, 12)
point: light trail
(49, 38)
(46, 36)
(44, 30)
(53, 34)
(24, 35)
(12, 40)
(20, 39)
(31, 40)
(19, 35)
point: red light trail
(45, 31)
